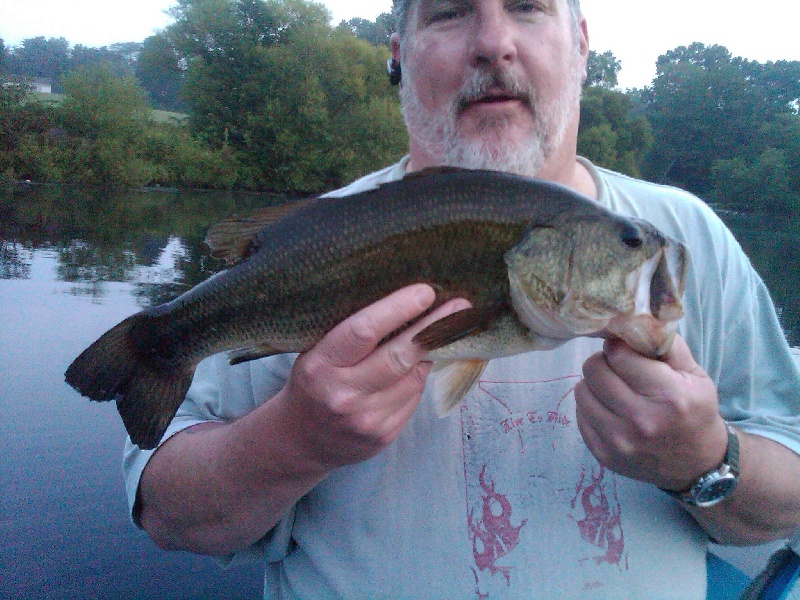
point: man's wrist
(716, 485)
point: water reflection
(154, 239)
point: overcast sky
(636, 31)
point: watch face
(715, 489)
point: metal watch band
(732, 453)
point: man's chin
(496, 155)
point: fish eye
(632, 237)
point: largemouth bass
(540, 264)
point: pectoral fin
(453, 380)
(459, 325)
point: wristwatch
(713, 487)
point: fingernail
(425, 295)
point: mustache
(486, 83)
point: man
(545, 483)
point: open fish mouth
(658, 287)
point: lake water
(74, 263)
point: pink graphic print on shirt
(493, 535)
(534, 491)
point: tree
(106, 118)
(128, 52)
(120, 63)
(3, 59)
(767, 180)
(221, 42)
(726, 128)
(703, 107)
(24, 124)
(298, 103)
(780, 82)
(159, 71)
(329, 113)
(99, 104)
(602, 70)
(375, 32)
(40, 57)
(611, 134)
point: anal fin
(452, 380)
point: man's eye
(526, 7)
(444, 15)
(445, 11)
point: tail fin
(112, 368)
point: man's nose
(493, 42)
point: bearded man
(588, 471)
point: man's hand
(651, 420)
(352, 397)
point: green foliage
(121, 62)
(104, 118)
(99, 104)
(277, 99)
(327, 114)
(40, 57)
(602, 70)
(24, 126)
(611, 134)
(159, 71)
(375, 32)
(706, 105)
(291, 98)
(724, 127)
(179, 160)
(769, 181)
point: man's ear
(394, 46)
(583, 43)
(393, 66)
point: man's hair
(401, 8)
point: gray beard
(438, 135)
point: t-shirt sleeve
(219, 393)
(737, 337)
(759, 381)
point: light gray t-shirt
(502, 499)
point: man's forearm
(216, 489)
(765, 506)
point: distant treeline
(275, 98)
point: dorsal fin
(232, 239)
